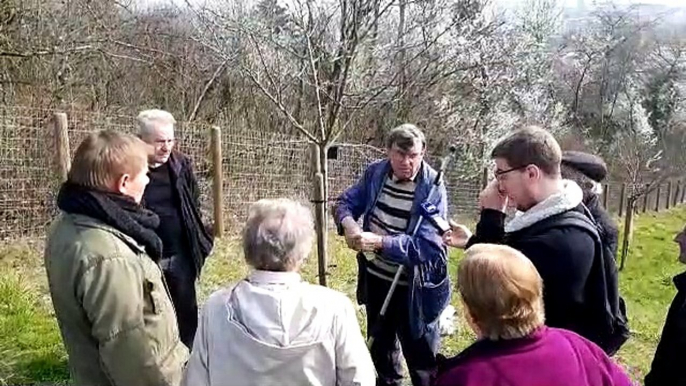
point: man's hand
(492, 198)
(369, 242)
(457, 236)
(352, 233)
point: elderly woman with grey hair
(273, 328)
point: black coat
(564, 257)
(199, 236)
(610, 232)
(666, 368)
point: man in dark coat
(666, 367)
(588, 171)
(174, 195)
(568, 257)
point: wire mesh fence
(255, 164)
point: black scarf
(116, 210)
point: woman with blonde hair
(502, 294)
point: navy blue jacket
(423, 254)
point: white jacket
(274, 329)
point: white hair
(278, 235)
(149, 119)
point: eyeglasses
(500, 173)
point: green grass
(31, 348)
(30, 345)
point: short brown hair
(530, 146)
(502, 291)
(405, 137)
(103, 157)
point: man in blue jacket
(396, 232)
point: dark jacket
(549, 356)
(563, 258)
(666, 368)
(610, 232)
(423, 254)
(566, 257)
(200, 238)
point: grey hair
(149, 119)
(587, 185)
(278, 235)
(405, 136)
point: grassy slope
(30, 340)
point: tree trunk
(320, 203)
(628, 231)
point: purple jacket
(548, 357)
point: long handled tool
(437, 182)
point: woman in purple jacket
(502, 294)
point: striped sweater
(390, 216)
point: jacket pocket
(153, 298)
(435, 297)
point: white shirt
(275, 329)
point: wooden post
(657, 197)
(628, 232)
(622, 197)
(484, 178)
(645, 199)
(677, 192)
(319, 199)
(217, 181)
(62, 154)
(606, 194)
(669, 195)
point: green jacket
(112, 306)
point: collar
(273, 277)
(569, 197)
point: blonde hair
(502, 291)
(278, 235)
(103, 157)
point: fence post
(217, 181)
(677, 191)
(645, 199)
(669, 195)
(62, 153)
(622, 196)
(657, 197)
(606, 194)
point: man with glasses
(577, 279)
(174, 196)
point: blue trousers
(394, 333)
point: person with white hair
(174, 196)
(273, 328)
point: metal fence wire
(255, 164)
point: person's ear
(123, 183)
(533, 172)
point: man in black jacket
(174, 195)
(666, 367)
(567, 257)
